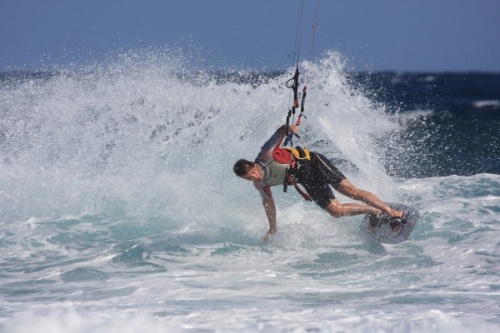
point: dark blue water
(461, 136)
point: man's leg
(336, 209)
(348, 189)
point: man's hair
(241, 166)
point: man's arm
(270, 209)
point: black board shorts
(317, 175)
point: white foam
(486, 103)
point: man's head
(247, 170)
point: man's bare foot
(397, 214)
(398, 223)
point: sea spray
(143, 129)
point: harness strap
(304, 194)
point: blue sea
(119, 210)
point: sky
(401, 35)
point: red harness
(285, 156)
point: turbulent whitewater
(119, 210)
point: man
(274, 166)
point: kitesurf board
(383, 231)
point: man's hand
(268, 238)
(293, 129)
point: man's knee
(337, 213)
(335, 209)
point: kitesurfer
(274, 166)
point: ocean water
(119, 211)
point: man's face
(253, 173)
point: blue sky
(404, 35)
